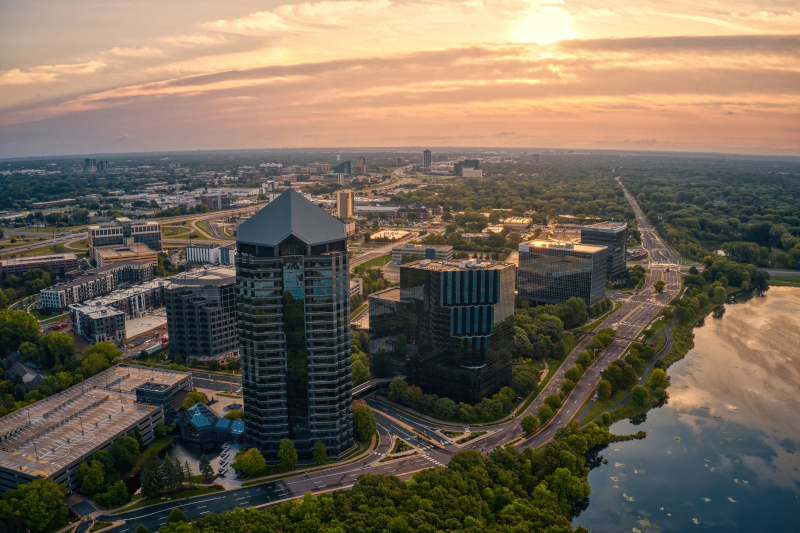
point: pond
(723, 454)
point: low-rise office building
(422, 251)
(17, 266)
(52, 437)
(124, 231)
(201, 254)
(517, 223)
(356, 287)
(107, 255)
(552, 272)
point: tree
(658, 379)
(640, 396)
(235, 414)
(169, 475)
(529, 424)
(320, 453)
(100, 356)
(176, 515)
(445, 408)
(544, 413)
(567, 385)
(125, 451)
(206, 470)
(38, 505)
(554, 401)
(92, 477)
(151, 477)
(659, 286)
(524, 381)
(187, 468)
(584, 359)
(719, 295)
(16, 327)
(142, 529)
(364, 424)
(193, 398)
(287, 454)
(574, 373)
(251, 462)
(178, 359)
(604, 390)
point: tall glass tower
(293, 301)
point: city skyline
(561, 74)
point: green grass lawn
(360, 308)
(377, 261)
(48, 318)
(203, 226)
(601, 406)
(170, 498)
(656, 327)
(44, 250)
(785, 281)
(175, 231)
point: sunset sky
(92, 76)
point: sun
(546, 25)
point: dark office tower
(426, 159)
(613, 235)
(103, 165)
(89, 162)
(343, 168)
(201, 314)
(472, 164)
(553, 272)
(449, 327)
(294, 327)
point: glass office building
(448, 328)
(552, 272)
(293, 301)
(614, 236)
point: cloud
(47, 73)
(195, 39)
(142, 52)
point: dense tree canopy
(508, 491)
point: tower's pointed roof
(291, 213)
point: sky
(98, 76)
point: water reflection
(724, 453)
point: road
(432, 448)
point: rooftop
(567, 246)
(457, 265)
(608, 226)
(52, 433)
(424, 246)
(291, 213)
(123, 250)
(39, 259)
(204, 276)
(389, 294)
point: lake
(723, 454)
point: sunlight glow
(545, 26)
